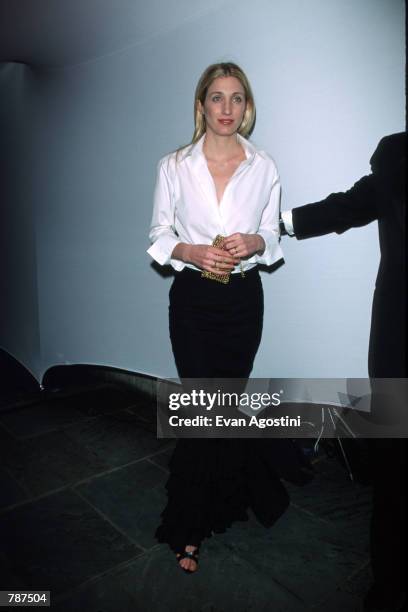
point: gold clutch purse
(221, 278)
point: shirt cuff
(287, 221)
(272, 252)
(161, 251)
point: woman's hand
(205, 257)
(244, 245)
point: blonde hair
(223, 69)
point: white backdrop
(328, 78)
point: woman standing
(220, 184)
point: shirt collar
(196, 149)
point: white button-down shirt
(186, 208)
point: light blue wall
(328, 78)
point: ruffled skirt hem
(214, 482)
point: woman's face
(224, 106)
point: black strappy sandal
(188, 555)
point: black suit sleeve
(339, 211)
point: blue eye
(216, 98)
(238, 99)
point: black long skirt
(215, 331)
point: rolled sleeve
(269, 227)
(162, 235)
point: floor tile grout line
(7, 430)
(65, 595)
(342, 583)
(23, 486)
(114, 469)
(256, 566)
(97, 577)
(85, 419)
(361, 567)
(78, 483)
(108, 520)
(166, 471)
(310, 513)
(18, 403)
(62, 428)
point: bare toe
(188, 564)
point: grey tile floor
(81, 490)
